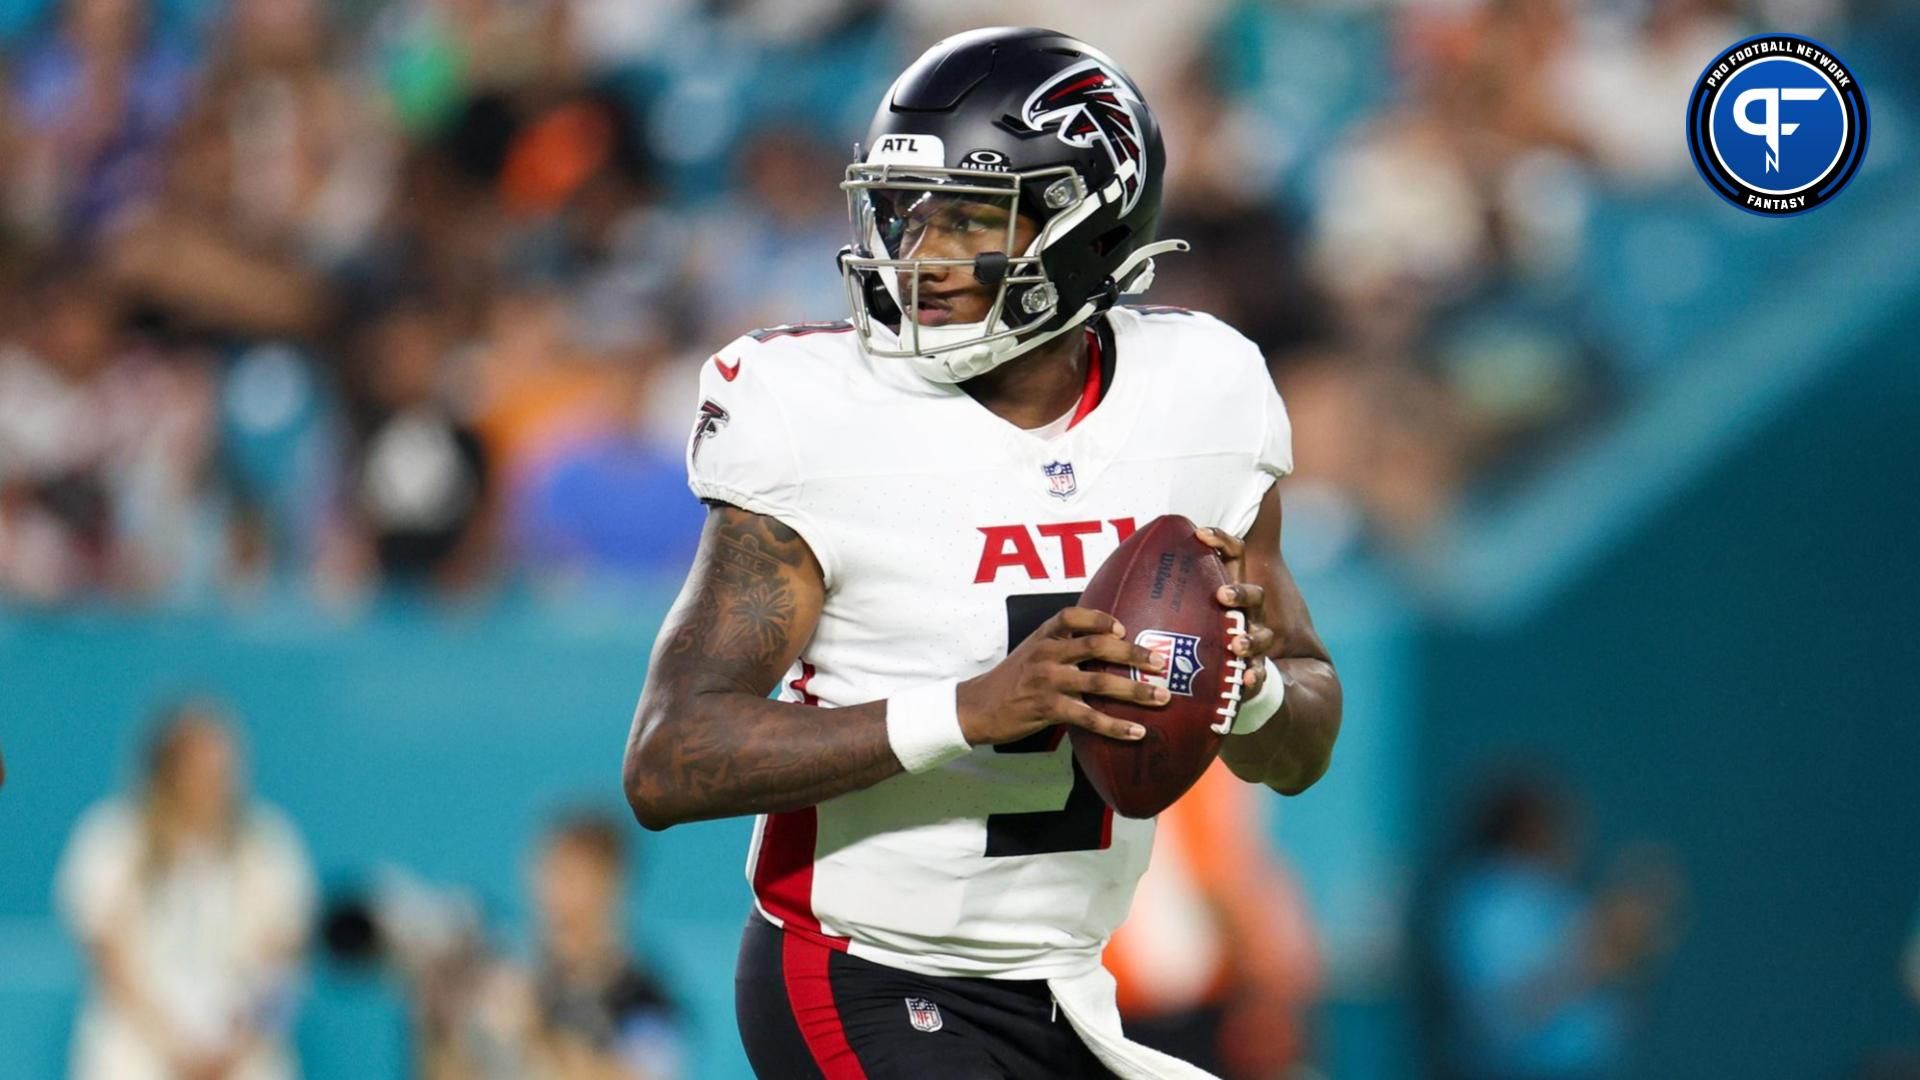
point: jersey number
(1081, 825)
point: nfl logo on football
(1179, 652)
(923, 1014)
(1060, 478)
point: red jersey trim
(783, 867)
(1089, 393)
(799, 685)
(783, 874)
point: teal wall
(1738, 678)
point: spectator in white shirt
(193, 904)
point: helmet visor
(916, 224)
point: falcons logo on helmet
(1092, 104)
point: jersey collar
(1099, 376)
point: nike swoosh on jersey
(727, 373)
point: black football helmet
(1023, 123)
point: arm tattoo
(742, 605)
(759, 608)
(706, 742)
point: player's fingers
(1111, 649)
(1117, 687)
(1230, 547)
(1242, 595)
(1257, 641)
(1080, 714)
(1253, 680)
(1079, 620)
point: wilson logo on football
(1181, 655)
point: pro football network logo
(1179, 652)
(924, 1015)
(1777, 125)
(1091, 104)
(1060, 482)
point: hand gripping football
(1160, 584)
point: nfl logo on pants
(923, 1014)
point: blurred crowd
(195, 903)
(328, 296)
(198, 911)
(1524, 965)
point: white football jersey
(946, 535)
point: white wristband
(1255, 711)
(1241, 716)
(923, 726)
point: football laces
(1236, 676)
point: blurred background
(347, 354)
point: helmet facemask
(923, 233)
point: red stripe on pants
(810, 994)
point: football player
(903, 509)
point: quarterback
(903, 508)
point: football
(1160, 584)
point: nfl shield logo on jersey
(924, 1014)
(1060, 478)
(1181, 654)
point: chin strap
(958, 365)
(1135, 275)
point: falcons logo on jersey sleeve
(712, 418)
(1091, 104)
